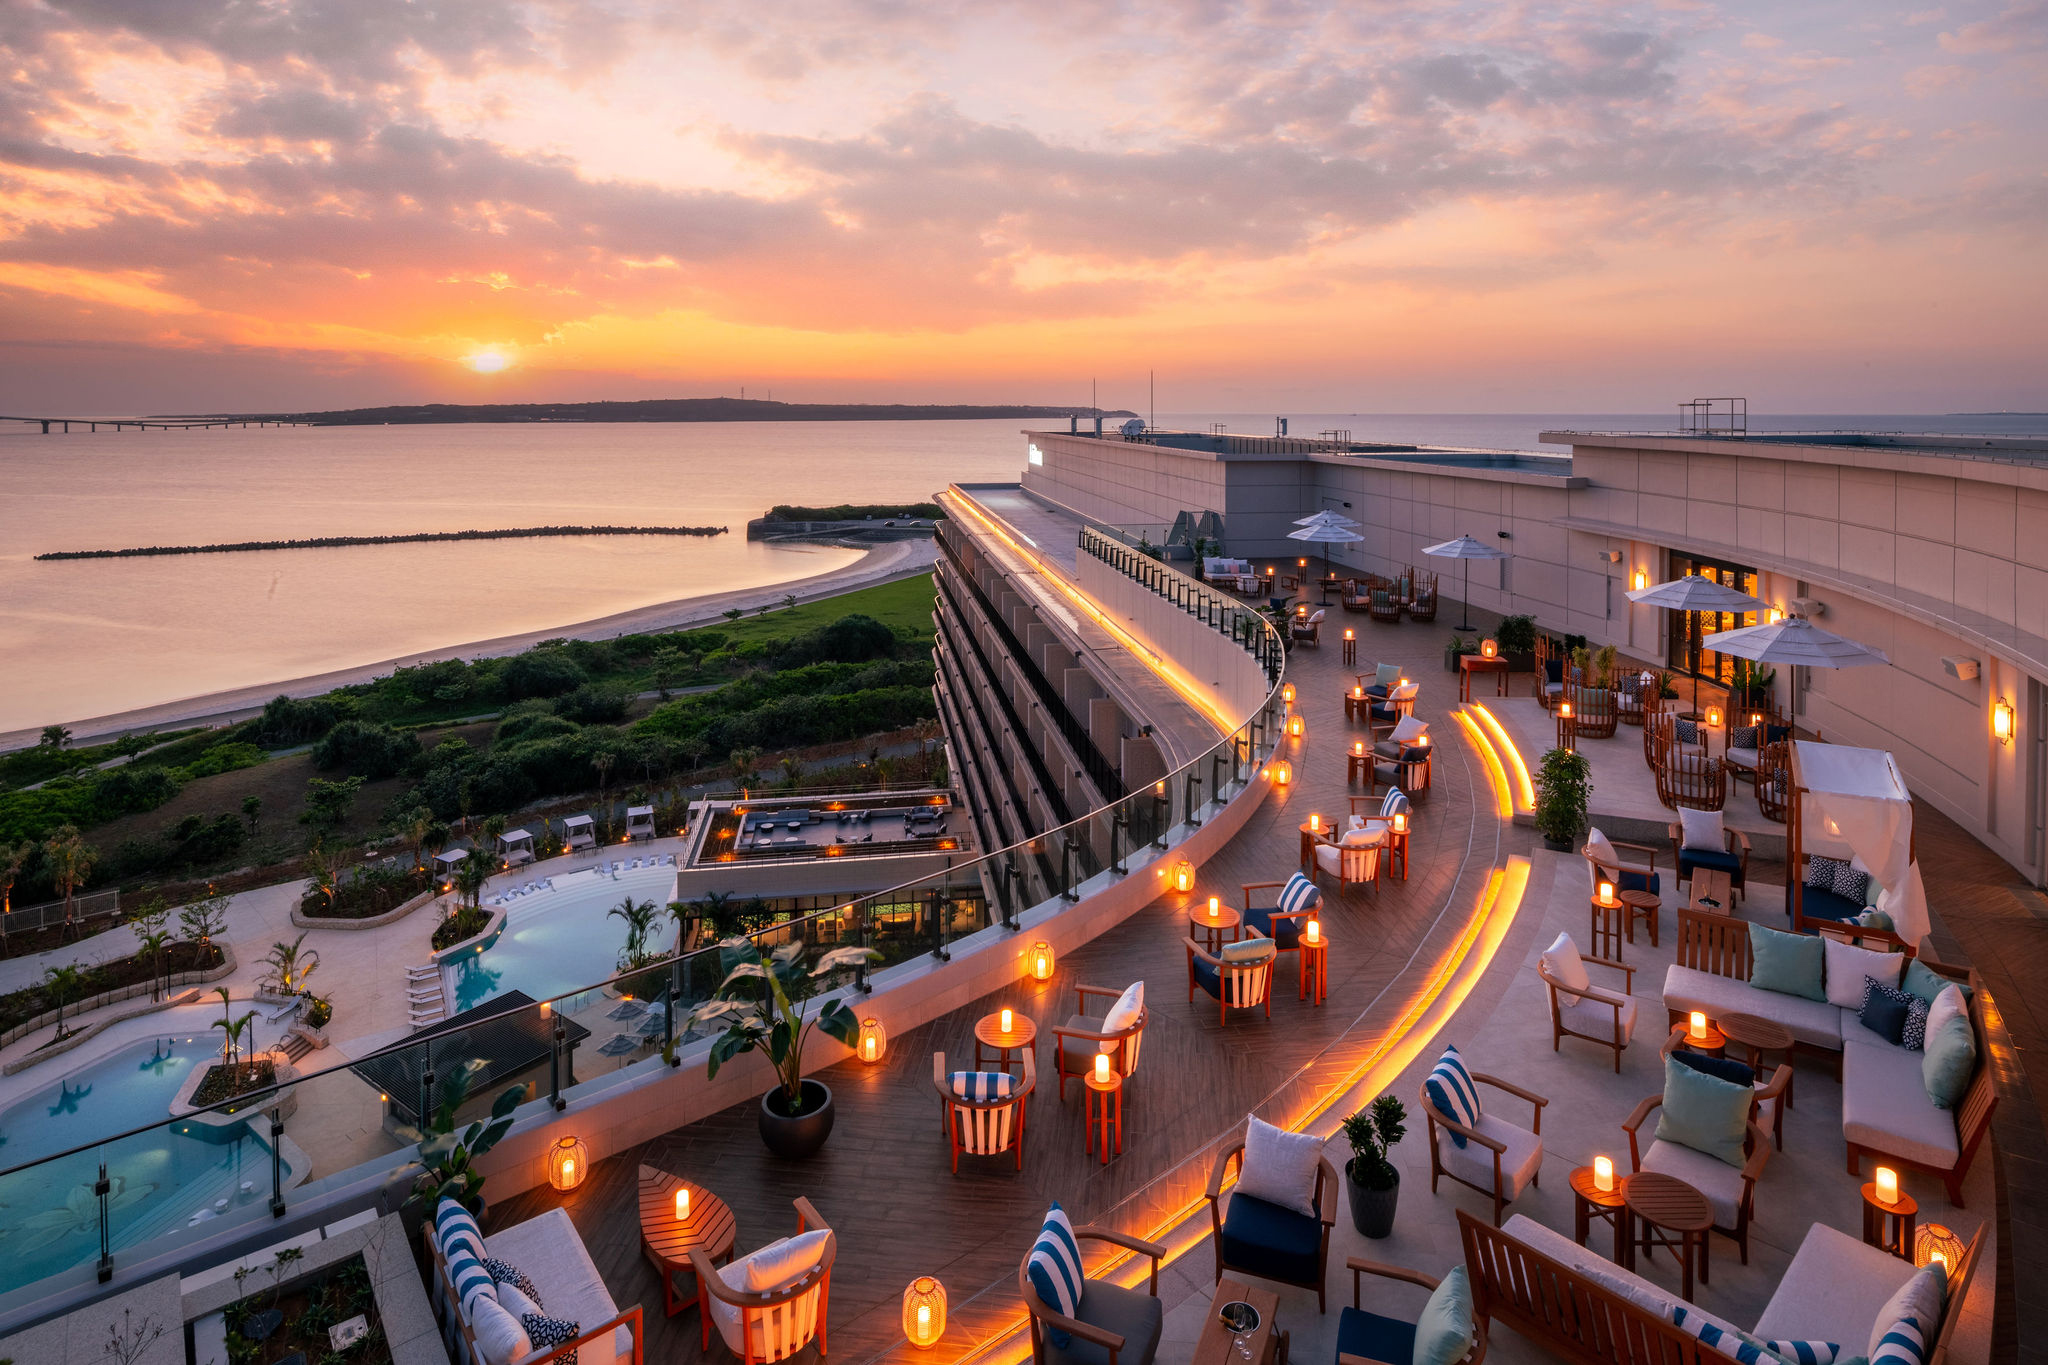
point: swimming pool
(49, 1217)
(558, 941)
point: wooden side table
(1357, 768)
(1315, 969)
(1264, 1345)
(992, 1045)
(1755, 1037)
(1103, 1112)
(1397, 848)
(1606, 930)
(1710, 884)
(1357, 706)
(1350, 649)
(1889, 1227)
(666, 1240)
(1468, 664)
(1211, 931)
(1309, 839)
(1712, 1043)
(1666, 1212)
(1589, 1202)
(1642, 905)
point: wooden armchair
(1356, 864)
(1514, 1155)
(1075, 1043)
(1768, 1108)
(1385, 606)
(985, 1126)
(1732, 1193)
(1232, 985)
(1629, 875)
(1357, 596)
(1284, 927)
(1691, 779)
(1307, 631)
(772, 1324)
(1264, 1240)
(1383, 716)
(1601, 1016)
(1368, 1339)
(1732, 859)
(1108, 1315)
(1773, 780)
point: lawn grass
(904, 606)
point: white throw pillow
(1601, 849)
(1948, 1001)
(1920, 1297)
(499, 1335)
(1363, 836)
(1409, 730)
(782, 1263)
(1561, 959)
(513, 1300)
(1847, 966)
(1405, 692)
(1700, 831)
(1124, 1012)
(1279, 1166)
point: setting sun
(488, 362)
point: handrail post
(276, 1165)
(1162, 803)
(861, 911)
(939, 902)
(1067, 849)
(1194, 816)
(1117, 820)
(101, 1190)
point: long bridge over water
(64, 424)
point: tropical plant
(252, 809)
(13, 857)
(328, 803)
(323, 873)
(1516, 634)
(1460, 645)
(153, 938)
(201, 920)
(446, 1159)
(233, 1030)
(716, 907)
(54, 737)
(789, 601)
(743, 762)
(1603, 666)
(319, 1009)
(469, 877)
(64, 983)
(761, 1003)
(1564, 786)
(732, 613)
(70, 860)
(639, 917)
(1751, 683)
(1666, 689)
(289, 964)
(1371, 1131)
(792, 772)
(667, 663)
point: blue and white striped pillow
(1395, 804)
(470, 1279)
(1747, 1350)
(1805, 1352)
(1299, 894)
(980, 1086)
(1451, 1089)
(1055, 1268)
(1902, 1344)
(454, 1227)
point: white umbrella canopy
(1325, 518)
(1799, 643)
(1695, 593)
(1466, 548)
(1325, 533)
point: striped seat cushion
(1451, 1090)
(980, 1086)
(454, 1227)
(1055, 1268)
(1740, 1346)
(470, 1279)
(1395, 804)
(1299, 894)
(1903, 1344)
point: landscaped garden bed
(224, 1081)
(275, 1325)
(367, 893)
(18, 1007)
(467, 922)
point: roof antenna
(1152, 397)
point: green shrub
(541, 673)
(223, 758)
(589, 705)
(289, 721)
(366, 749)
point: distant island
(667, 410)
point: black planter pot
(1372, 1211)
(794, 1137)
(1557, 845)
(1521, 660)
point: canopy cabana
(1845, 802)
(446, 859)
(639, 822)
(580, 831)
(515, 847)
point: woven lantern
(1184, 876)
(1040, 959)
(924, 1311)
(1294, 726)
(873, 1041)
(1933, 1242)
(1283, 774)
(568, 1162)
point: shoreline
(880, 564)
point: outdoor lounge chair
(1076, 1042)
(1691, 780)
(984, 1124)
(1730, 1192)
(1768, 1108)
(776, 1323)
(1354, 858)
(1498, 1158)
(1369, 1339)
(1386, 607)
(1236, 977)
(1580, 1009)
(1109, 1324)
(1732, 859)
(1308, 632)
(1282, 921)
(1254, 1237)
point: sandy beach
(881, 564)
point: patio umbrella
(1325, 533)
(1693, 593)
(1326, 517)
(626, 1009)
(1467, 549)
(1798, 642)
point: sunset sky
(1375, 206)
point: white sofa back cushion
(1847, 965)
(500, 1338)
(1561, 959)
(1831, 1291)
(551, 1253)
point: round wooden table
(1712, 1043)
(1665, 1211)
(1755, 1037)
(1212, 929)
(989, 1035)
(1102, 1111)
(1589, 1202)
(667, 1241)
(1642, 905)
(1889, 1227)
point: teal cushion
(1875, 918)
(1790, 964)
(1703, 1112)
(1444, 1331)
(1248, 950)
(1951, 1057)
(1386, 675)
(1923, 981)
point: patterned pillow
(1686, 731)
(1902, 1344)
(1744, 737)
(470, 1279)
(1884, 1010)
(980, 1087)
(1395, 804)
(1913, 1037)
(1738, 1345)
(546, 1332)
(1055, 1268)
(1298, 894)
(1806, 1352)
(1820, 872)
(503, 1273)
(453, 1227)
(1451, 1090)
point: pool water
(49, 1218)
(559, 941)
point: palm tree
(71, 861)
(232, 1028)
(469, 877)
(55, 737)
(13, 857)
(154, 944)
(602, 762)
(792, 773)
(290, 964)
(743, 763)
(639, 917)
(65, 982)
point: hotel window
(1713, 667)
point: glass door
(1688, 629)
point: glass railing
(334, 1133)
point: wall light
(1639, 581)
(2001, 720)
(1777, 614)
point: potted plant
(1516, 637)
(445, 1166)
(1458, 646)
(1564, 785)
(1372, 1181)
(761, 1003)
(313, 1020)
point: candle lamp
(1101, 1066)
(1215, 906)
(1607, 893)
(1008, 1019)
(1696, 1025)
(1282, 774)
(568, 1160)
(924, 1311)
(1315, 931)
(1400, 822)
(1358, 748)
(1315, 823)
(1564, 710)
(1041, 961)
(1184, 876)
(1294, 726)
(682, 1203)
(1934, 1243)
(873, 1040)
(1603, 1174)
(1350, 634)
(1713, 717)
(1887, 1185)
(1489, 649)
(1357, 691)
(1287, 693)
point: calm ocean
(88, 638)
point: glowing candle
(1315, 931)
(1698, 1025)
(1713, 717)
(924, 1320)
(1315, 823)
(683, 1204)
(1102, 1066)
(1887, 1185)
(1357, 691)
(1351, 635)
(867, 1049)
(1358, 748)
(1215, 906)
(1007, 1019)
(1607, 893)
(569, 1169)
(1603, 1175)
(1400, 822)
(1938, 1258)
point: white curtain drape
(1857, 797)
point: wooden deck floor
(883, 1181)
